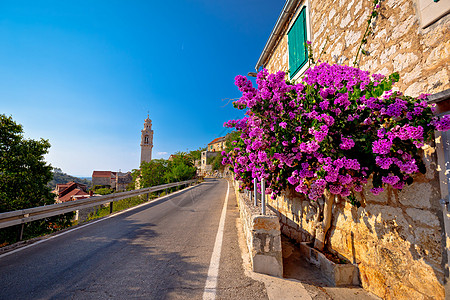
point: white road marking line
(213, 271)
(103, 219)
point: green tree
(24, 176)
(180, 168)
(160, 171)
(104, 191)
(230, 137)
(196, 154)
(216, 163)
(153, 172)
(23, 172)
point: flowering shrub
(330, 132)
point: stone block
(427, 244)
(421, 277)
(277, 244)
(415, 89)
(380, 198)
(403, 28)
(372, 280)
(263, 238)
(437, 80)
(403, 61)
(423, 216)
(266, 223)
(435, 57)
(267, 265)
(417, 195)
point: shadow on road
(119, 262)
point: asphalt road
(158, 251)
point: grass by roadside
(121, 205)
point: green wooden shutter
(298, 53)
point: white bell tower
(147, 141)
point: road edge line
(210, 290)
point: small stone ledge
(345, 274)
(263, 236)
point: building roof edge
(287, 11)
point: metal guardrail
(23, 216)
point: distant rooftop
(217, 140)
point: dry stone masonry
(398, 44)
(396, 238)
(263, 236)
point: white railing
(23, 216)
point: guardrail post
(21, 231)
(255, 192)
(111, 204)
(263, 197)
(147, 196)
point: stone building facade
(398, 43)
(114, 180)
(102, 178)
(214, 148)
(218, 144)
(397, 239)
(147, 141)
(204, 166)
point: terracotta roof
(64, 188)
(73, 192)
(217, 140)
(65, 184)
(61, 186)
(101, 174)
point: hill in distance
(60, 177)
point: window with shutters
(297, 37)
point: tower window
(146, 139)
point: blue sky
(83, 74)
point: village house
(397, 239)
(102, 178)
(214, 148)
(70, 191)
(218, 144)
(114, 180)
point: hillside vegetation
(60, 177)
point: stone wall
(395, 238)
(101, 181)
(398, 44)
(262, 233)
